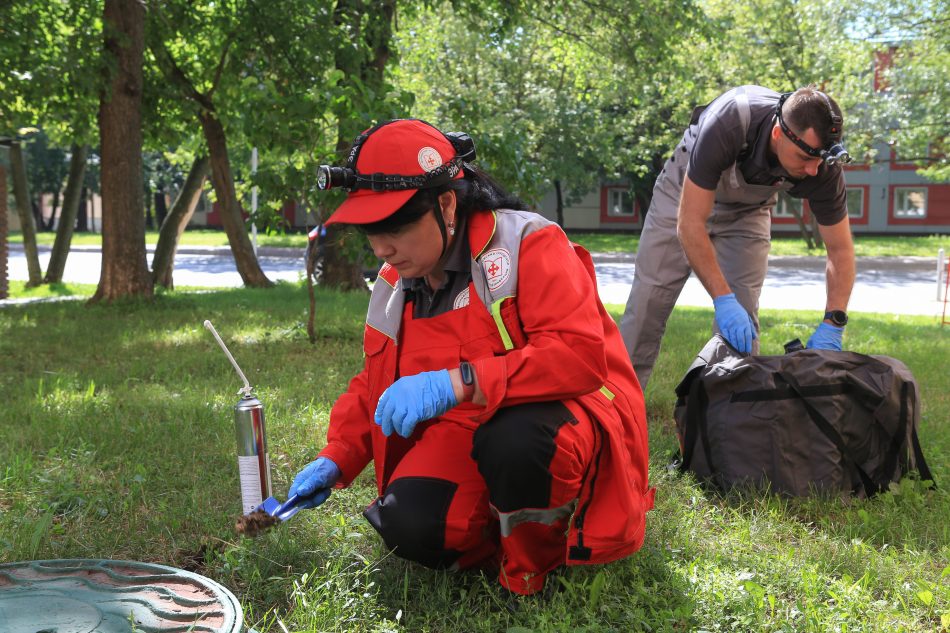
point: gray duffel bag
(809, 421)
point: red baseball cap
(407, 147)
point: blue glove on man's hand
(826, 336)
(734, 323)
(313, 483)
(413, 399)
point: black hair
(807, 108)
(476, 191)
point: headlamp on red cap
(347, 178)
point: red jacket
(556, 342)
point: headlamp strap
(396, 182)
(462, 144)
(834, 131)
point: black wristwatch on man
(837, 317)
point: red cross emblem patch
(497, 266)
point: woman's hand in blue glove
(826, 336)
(313, 483)
(734, 323)
(413, 399)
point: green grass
(117, 442)
(865, 246)
(18, 290)
(191, 237)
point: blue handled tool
(278, 510)
(285, 510)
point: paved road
(893, 285)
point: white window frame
(860, 213)
(781, 206)
(906, 213)
(612, 193)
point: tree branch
(171, 69)
(220, 68)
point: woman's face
(415, 249)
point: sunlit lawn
(117, 442)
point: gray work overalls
(739, 228)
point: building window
(910, 202)
(786, 205)
(855, 202)
(620, 203)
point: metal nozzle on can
(250, 433)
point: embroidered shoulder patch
(497, 265)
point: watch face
(838, 317)
(468, 373)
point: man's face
(793, 159)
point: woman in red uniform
(497, 401)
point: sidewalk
(899, 285)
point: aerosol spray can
(249, 430)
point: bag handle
(830, 432)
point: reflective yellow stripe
(607, 393)
(500, 324)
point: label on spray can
(250, 482)
(250, 472)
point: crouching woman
(497, 402)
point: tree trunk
(149, 221)
(161, 206)
(163, 262)
(21, 193)
(67, 216)
(37, 209)
(223, 182)
(4, 234)
(337, 271)
(82, 215)
(802, 227)
(124, 263)
(51, 224)
(559, 207)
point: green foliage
(559, 91)
(911, 110)
(120, 445)
(50, 75)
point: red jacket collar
(480, 231)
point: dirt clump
(252, 524)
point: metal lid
(248, 401)
(112, 596)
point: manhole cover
(112, 596)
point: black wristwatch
(837, 317)
(468, 380)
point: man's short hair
(808, 108)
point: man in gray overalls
(711, 213)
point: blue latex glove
(413, 399)
(314, 482)
(735, 323)
(826, 336)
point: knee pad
(514, 451)
(411, 516)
